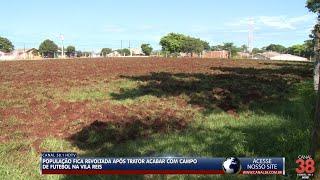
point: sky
(90, 25)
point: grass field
(152, 107)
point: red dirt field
(30, 107)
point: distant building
(136, 52)
(270, 55)
(20, 54)
(114, 54)
(95, 54)
(265, 55)
(244, 55)
(216, 54)
(2, 55)
(32, 54)
(288, 57)
(16, 54)
(260, 57)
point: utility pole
(130, 48)
(62, 38)
(250, 36)
(24, 50)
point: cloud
(282, 22)
(275, 22)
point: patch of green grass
(275, 130)
(280, 128)
(123, 85)
(12, 103)
(82, 94)
(13, 121)
(54, 144)
(97, 92)
(18, 161)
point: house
(114, 54)
(244, 55)
(270, 54)
(7, 56)
(216, 54)
(288, 57)
(32, 54)
(95, 54)
(277, 56)
(2, 55)
(266, 55)
(20, 54)
(136, 52)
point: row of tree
(146, 49)
(48, 49)
(233, 49)
(305, 50)
(177, 43)
(172, 43)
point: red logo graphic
(305, 166)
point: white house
(270, 55)
(7, 56)
(136, 51)
(18, 54)
(114, 54)
(288, 57)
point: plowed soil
(31, 107)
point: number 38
(305, 166)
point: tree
(206, 45)
(48, 48)
(6, 45)
(105, 51)
(298, 50)
(231, 48)
(244, 48)
(257, 50)
(79, 53)
(70, 51)
(276, 47)
(305, 50)
(172, 42)
(216, 48)
(146, 49)
(86, 54)
(192, 45)
(309, 45)
(314, 6)
(125, 51)
(176, 43)
(227, 47)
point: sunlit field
(124, 107)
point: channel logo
(306, 166)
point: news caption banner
(70, 163)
